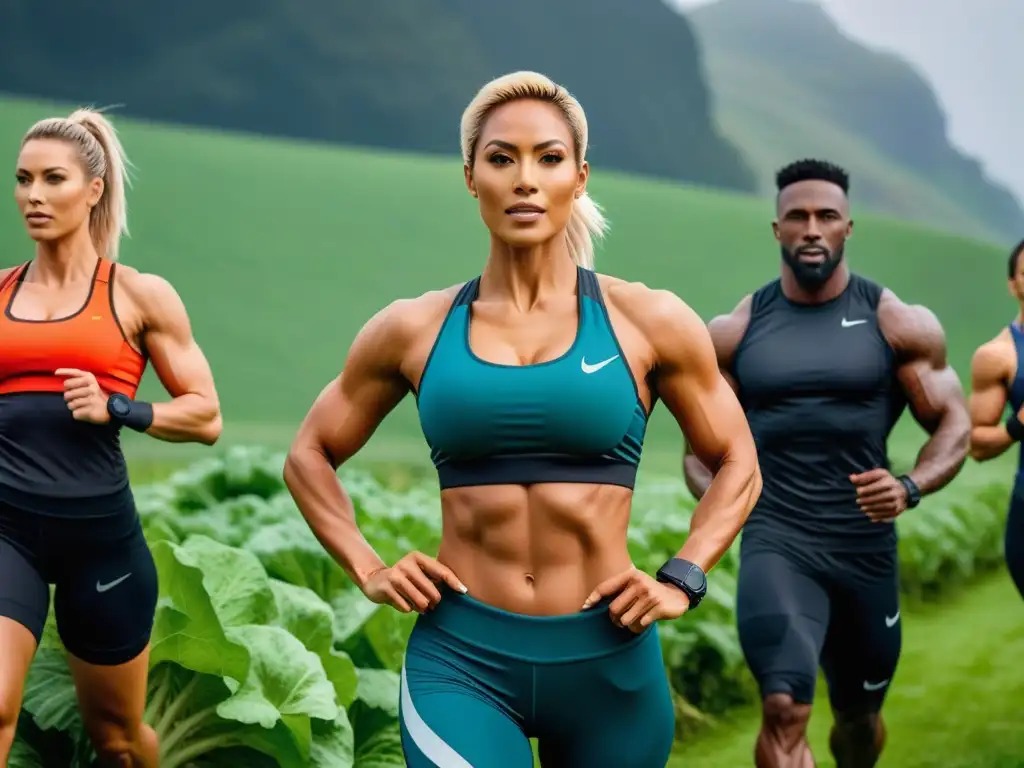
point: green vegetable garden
(264, 653)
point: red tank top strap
(100, 299)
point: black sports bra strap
(587, 285)
(468, 293)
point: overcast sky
(968, 51)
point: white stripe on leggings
(433, 747)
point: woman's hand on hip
(639, 600)
(410, 584)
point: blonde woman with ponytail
(534, 383)
(76, 332)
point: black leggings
(1014, 541)
(105, 578)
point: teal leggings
(478, 682)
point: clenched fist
(84, 398)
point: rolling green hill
(788, 83)
(281, 251)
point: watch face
(119, 406)
(695, 580)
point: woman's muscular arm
(342, 419)
(688, 379)
(686, 376)
(726, 331)
(193, 413)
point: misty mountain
(788, 83)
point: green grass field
(282, 250)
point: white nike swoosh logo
(111, 585)
(890, 622)
(596, 366)
(875, 686)
(851, 323)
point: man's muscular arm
(933, 390)
(726, 331)
(990, 369)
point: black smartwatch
(686, 576)
(913, 492)
(125, 412)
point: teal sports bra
(575, 419)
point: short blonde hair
(102, 156)
(587, 223)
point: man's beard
(812, 276)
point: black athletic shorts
(105, 579)
(801, 609)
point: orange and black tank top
(49, 462)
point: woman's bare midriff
(537, 550)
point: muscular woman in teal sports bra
(534, 383)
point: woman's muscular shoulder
(405, 320)
(400, 335)
(667, 322)
(145, 301)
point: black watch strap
(913, 492)
(125, 412)
(687, 576)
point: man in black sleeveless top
(824, 362)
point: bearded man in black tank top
(824, 362)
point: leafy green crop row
(263, 653)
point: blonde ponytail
(586, 223)
(102, 156)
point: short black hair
(1018, 249)
(816, 170)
